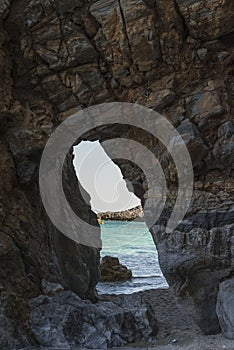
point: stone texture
(200, 269)
(12, 333)
(4, 7)
(224, 147)
(49, 288)
(128, 51)
(113, 271)
(225, 307)
(192, 138)
(204, 105)
(65, 320)
(57, 57)
(207, 20)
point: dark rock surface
(203, 250)
(67, 321)
(225, 307)
(113, 271)
(57, 57)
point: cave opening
(129, 241)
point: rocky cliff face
(56, 57)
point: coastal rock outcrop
(65, 320)
(113, 271)
(125, 215)
(58, 57)
(225, 307)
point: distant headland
(126, 215)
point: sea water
(132, 243)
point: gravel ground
(177, 330)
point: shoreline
(177, 330)
(132, 214)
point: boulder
(65, 321)
(225, 307)
(113, 271)
(196, 273)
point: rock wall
(31, 249)
(56, 57)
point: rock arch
(60, 56)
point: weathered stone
(224, 147)
(57, 57)
(113, 271)
(4, 7)
(204, 105)
(129, 46)
(68, 6)
(11, 334)
(112, 37)
(202, 54)
(75, 50)
(161, 99)
(171, 31)
(207, 20)
(192, 138)
(141, 34)
(54, 89)
(196, 273)
(72, 256)
(50, 288)
(65, 320)
(225, 307)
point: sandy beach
(177, 330)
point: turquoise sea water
(132, 243)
